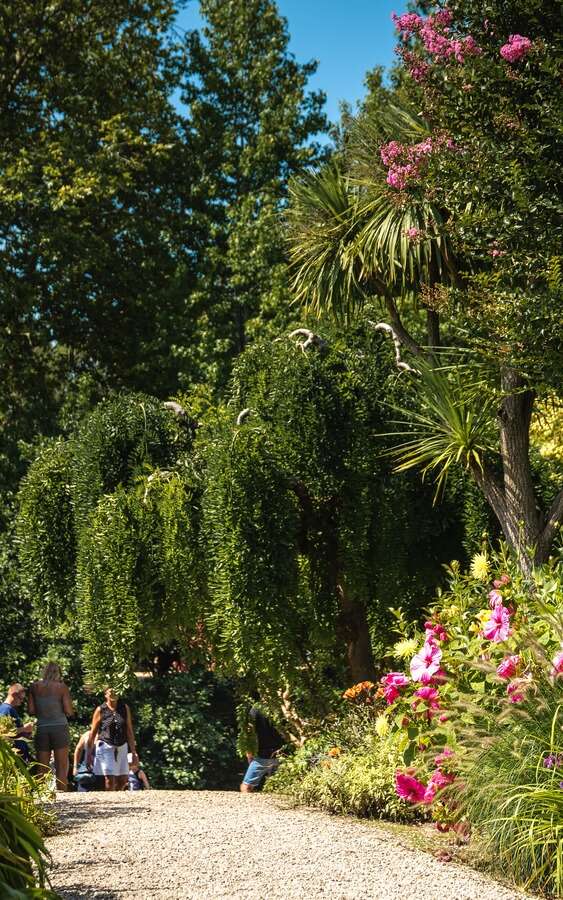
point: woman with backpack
(112, 727)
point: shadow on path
(73, 816)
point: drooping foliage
(121, 507)
(310, 543)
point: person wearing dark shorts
(49, 700)
(265, 762)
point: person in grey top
(49, 700)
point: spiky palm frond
(451, 424)
(322, 227)
(348, 231)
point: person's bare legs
(110, 783)
(246, 788)
(43, 759)
(121, 782)
(61, 768)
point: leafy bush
(185, 730)
(350, 770)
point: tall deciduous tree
(250, 126)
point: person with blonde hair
(49, 700)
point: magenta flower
(557, 664)
(508, 667)
(516, 49)
(409, 788)
(442, 757)
(515, 692)
(437, 781)
(436, 631)
(413, 233)
(391, 684)
(426, 662)
(494, 598)
(497, 628)
(427, 694)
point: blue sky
(347, 37)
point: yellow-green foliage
(358, 781)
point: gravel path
(169, 845)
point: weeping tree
(270, 537)
(442, 221)
(108, 532)
(309, 541)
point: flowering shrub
(516, 49)
(405, 165)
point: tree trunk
(354, 631)
(512, 497)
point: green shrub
(185, 731)
(23, 856)
(358, 781)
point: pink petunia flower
(494, 598)
(516, 49)
(391, 684)
(426, 662)
(428, 695)
(497, 628)
(557, 665)
(409, 788)
(508, 667)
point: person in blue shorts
(269, 741)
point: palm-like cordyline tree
(352, 240)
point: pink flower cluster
(516, 49)
(405, 163)
(508, 667)
(425, 665)
(433, 31)
(412, 790)
(497, 628)
(392, 682)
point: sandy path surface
(169, 845)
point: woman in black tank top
(112, 727)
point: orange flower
(334, 751)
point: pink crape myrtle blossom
(497, 628)
(409, 788)
(406, 163)
(508, 667)
(516, 49)
(426, 662)
(557, 664)
(391, 684)
(434, 32)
